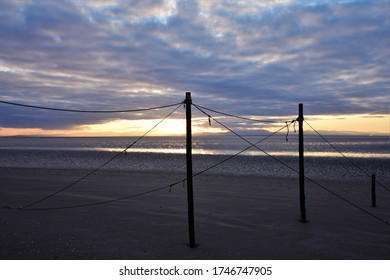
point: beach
(236, 217)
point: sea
(340, 157)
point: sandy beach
(236, 217)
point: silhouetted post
(190, 195)
(373, 192)
(301, 166)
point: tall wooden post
(190, 196)
(373, 191)
(301, 166)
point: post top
(188, 96)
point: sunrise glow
(246, 58)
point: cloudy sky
(249, 58)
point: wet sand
(236, 217)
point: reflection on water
(167, 154)
(246, 153)
(352, 146)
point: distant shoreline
(307, 133)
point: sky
(256, 59)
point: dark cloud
(247, 59)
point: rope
(104, 164)
(348, 159)
(347, 201)
(250, 143)
(88, 111)
(238, 153)
(100, 202)
(234, 116)
(201, 172)
(335, 194)
(154, 190)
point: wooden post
(190, 196)
(301, 166)
(373, 192)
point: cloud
(248, 58)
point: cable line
(88, 111)
(234, 116)
(284, 164)
(104, 164)
(349, 160)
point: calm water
(168, 154)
